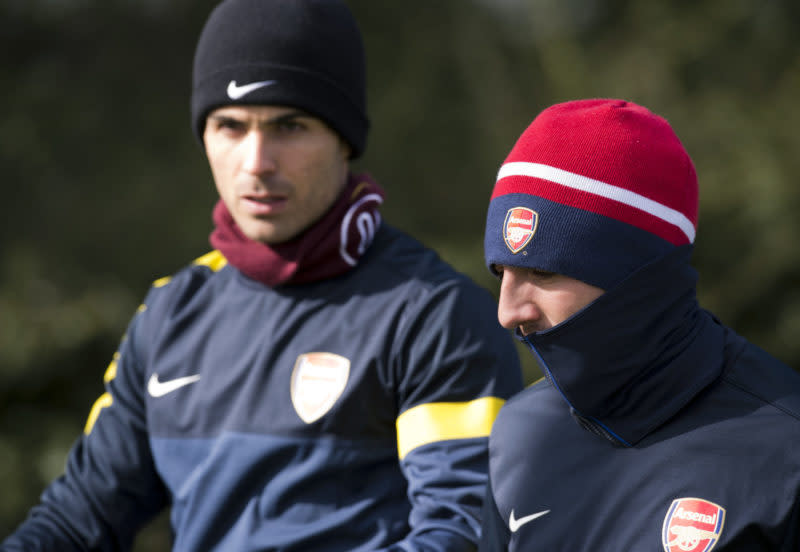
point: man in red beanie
(655, 427)
(320, 381)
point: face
(534, 300)
(278, 169)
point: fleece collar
(330, 247)
(638, 354)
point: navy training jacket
(346, 415)
(656, 429)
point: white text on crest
(520, 220)
(696, 516)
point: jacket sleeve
(495, 536)
(110, 487)
(456, 367)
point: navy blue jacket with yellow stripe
(656, 429)
(349, 414)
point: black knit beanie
(300, 53)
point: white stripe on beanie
(599, 188)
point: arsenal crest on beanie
(300, 53)
(592, 189)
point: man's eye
(544, 277)
(542, 274)
(289, 126)
(229, 124)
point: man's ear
(347, 151)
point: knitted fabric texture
(306, 54)
(592, 189)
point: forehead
(258, 112)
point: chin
(269, 234)
(265, 239)
(258, 232)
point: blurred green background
(105, 188)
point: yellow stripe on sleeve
(215, 261)
(104, 401)
(111, 371)
(428, 423)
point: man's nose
(259, 154)
(516, 306)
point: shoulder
(181, 285)
(406, 256)
(530, 421)
(413, 275)
(537, 399)
(201, 267)
(760, 376)
(399, 258)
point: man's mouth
(264, 204)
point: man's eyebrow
(221, 117)
(282, 118)
(286, 117)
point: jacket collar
(634, 357)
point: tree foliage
(106, 188)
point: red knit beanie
(593, 189)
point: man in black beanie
(320, 381)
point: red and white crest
(318, 380)
(692, 525)
(519, 227)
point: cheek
(557, 306)
(220, 179)
(322, 179)
(221, 162)
(214, 159)
(579, 301)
